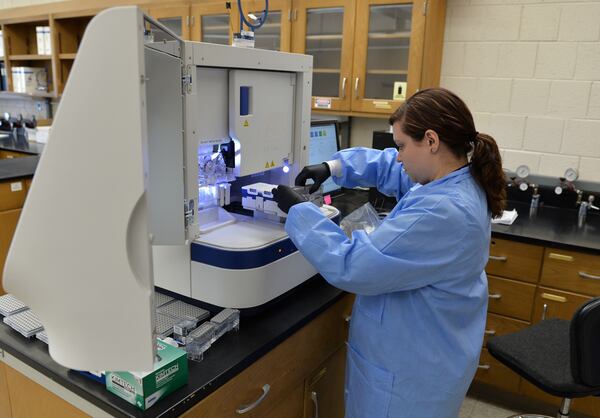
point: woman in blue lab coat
(419, 317)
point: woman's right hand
(317, 173)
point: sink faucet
(583, 209)
(535, 200)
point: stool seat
(542, 354)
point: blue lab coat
(419, 317)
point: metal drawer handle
(498, 257)
(494, 296)
(247, 408)
(313, 397)
(356, 88)
(344, 88)
(490, 332)
(483, 366)
(544, 311)
(588, 276)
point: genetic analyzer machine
(158, 171)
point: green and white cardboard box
(144, 389)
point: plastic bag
(364, 218)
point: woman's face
(416, 156)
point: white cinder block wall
(530, 72)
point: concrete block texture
(530, 96)
(555, 60)
(453, 58)
(588, 61)
(580, 22)
(516, 59)
(540, 22)
(507, 130)
(555, 165)
(493, 95)
(594, 104)
(543, 134)
(512, 159)
(569, 98)
(581, 138)
(480, 59)
(589, 169)
(530, 72)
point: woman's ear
(433, 140)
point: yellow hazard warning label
(246, 124)
(267, 165)
(272, 163)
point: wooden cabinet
(23, 56)
(325, 30)
(552, 303)
(501, 325)
(492, 372)
(8, 224)
(278, 375)
(324, 390)
(570, 270)
(29, 399)
(368, 54)
(212, 22)
(5, 409)
(515, 260)
(67, 33)
(529, 283)
(510, 297)
(174, 17)
(275, 34)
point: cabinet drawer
(515, 260)
(570, 270)
(492, 372)
(501, 325)
(556, 304)
(510, 298)
(12, 194)
(283, 368)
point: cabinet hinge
(425, 5)
(186, 79)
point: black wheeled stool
(560, 357)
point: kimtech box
(146, 388)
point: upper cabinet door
(325, 30)
(388, 54)
(275, 34)
(213, 23)
(176, 18)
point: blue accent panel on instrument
(244, 100)
(241, 260)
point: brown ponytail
(445, 113)
(486, 167)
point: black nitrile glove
(286, 197)
(318, 173)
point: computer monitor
(323, 144)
